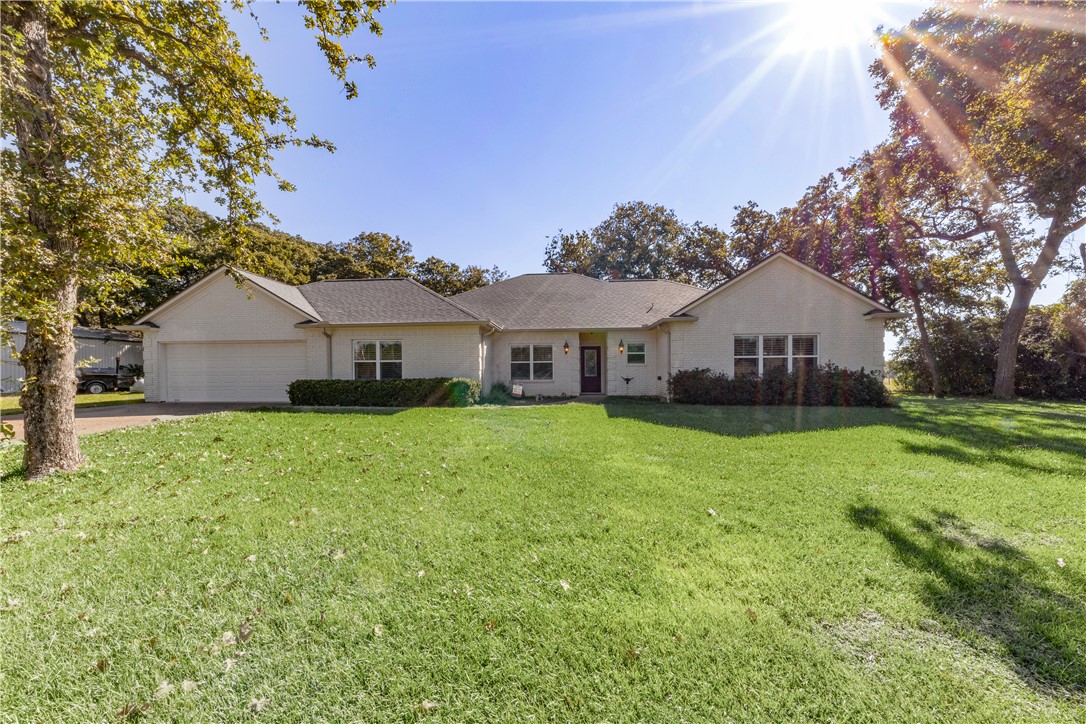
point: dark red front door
(591, 381)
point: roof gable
(779, 258)
(282, 293)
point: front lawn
(9, 404)
(617, 562)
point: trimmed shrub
(826, 385)
(424, 392)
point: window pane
(520, 353)
(365, 350)
(365, 370)
(391, 351)
(391, 370)
(591, 363)
(636, 347)
(544, 370)
(521, 370)
(804, 345)
(636, 358)
(804, 364)
(543, 353)
(775, 346)
(746, 346)
(746, 367)
(774, 363)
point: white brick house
(555, 334)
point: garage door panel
(234, 372)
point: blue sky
(485, 127)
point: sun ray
(938, 131)
(804, 64)
(719, 57)
(981, 74)
(1039, 17)
(712, 121)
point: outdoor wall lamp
(621, 347)
(565, 348)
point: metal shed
(93, 347)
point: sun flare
(829, 25)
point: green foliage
(108, 111)
(643, 241)
(138, 102)
(447, 278)
(136, 370)
(1051, 360)
(987, 109)
(827, 385)
(203, 244)
(370, 254)
(421, 392)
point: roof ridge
(358, 279)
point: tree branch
(1076, 225)
(1006, 251)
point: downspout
(328, 355)
(667, 370)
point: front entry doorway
(591, 380)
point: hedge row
(825, 385)
(425, 392)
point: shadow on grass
(988, 432)
(737, 421)
(984, 588)
(329, 410)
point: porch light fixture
(565, 348)
(621, 347)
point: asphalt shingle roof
(573, 301)
(291, 295)
(380, 301)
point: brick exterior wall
(219, 312)
(428, 351)
(567, 367)
(779, 299)
(643, 382)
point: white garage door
(232, 372)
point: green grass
(557, 563)
(9, 404)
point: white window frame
(377, 361)
(789, 355)
(531, 362)
(644, 353)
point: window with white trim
(635, 353)
(756, 354)
(378, 359)
(531, 362)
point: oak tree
(109, 110)
(994, 96)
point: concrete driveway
(111, 417)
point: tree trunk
(48, 398)
(1007, 356)
(48, 357)
(1025, 285)
(925, 347)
